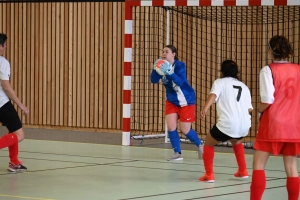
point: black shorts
(10, 118)
(220, 136)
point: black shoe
(16, 168)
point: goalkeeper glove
(155, 63)
(168, 69)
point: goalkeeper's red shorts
(276, 148)
(185, 113)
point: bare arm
(12, 95)
(210, 100)
(261, 108)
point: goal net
(204, 37)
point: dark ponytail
(280, 47)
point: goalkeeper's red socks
(258, 184)
(292, 186)
(8, 140)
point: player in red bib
(279, 119)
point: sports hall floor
(71, 165)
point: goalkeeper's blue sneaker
(16, 168)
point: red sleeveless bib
(281, 121)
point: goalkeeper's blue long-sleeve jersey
(179, 91)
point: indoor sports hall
(96, 125)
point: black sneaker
(16, 168)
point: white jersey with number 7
(232, 102)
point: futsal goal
(205, 32)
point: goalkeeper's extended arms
(180, 77)
(155, 77)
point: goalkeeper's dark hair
(280, 47)
(173, 49)
(3, 38)
(229, 69)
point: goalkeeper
(180, 103)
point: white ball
(157, 67)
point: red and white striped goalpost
(128, 39)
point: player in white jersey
(233, 104)
(8, 114)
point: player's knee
(185, 130)
(20, 134)
(172, 127)
(20, 137)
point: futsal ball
(157, 67)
